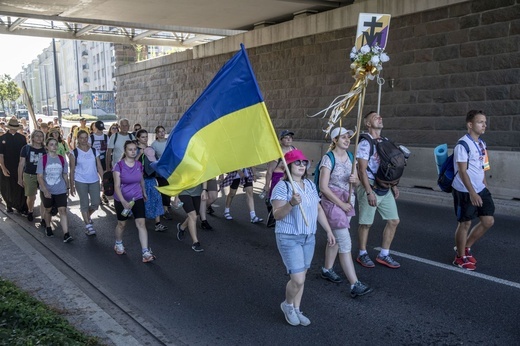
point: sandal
(228, 216)
(89, 229)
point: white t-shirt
(476, 161)
(159, 147)
(363, 152)
(86, 167)
(118, 146)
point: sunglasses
(304, 163)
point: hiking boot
(30, 217)
(104, 199)
(49, 232)
(359, 289)
(256, 219)
(181, 234)
(365, 261)
(210, 210)
(387, 261)
(148, 256)
(330, 274)
(464, 263)
(304, 321)
(468, 254)
(204, 224)
(67, 238)
(290, 314)
(119, 249)
(167, 215)
(160, 228)
(196, 247)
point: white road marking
(453, 268)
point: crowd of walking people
(57, 166)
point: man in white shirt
(471, 197)
(117, 143)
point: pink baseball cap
(294, 155)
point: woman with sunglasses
(335, 182)
(130, 194)
(113, 130)
(295, 238)
(52, 174)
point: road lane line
(453, 268)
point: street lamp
(46, 88)
(77, 76)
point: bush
(26, 321)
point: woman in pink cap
(295, 238)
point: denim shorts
(296, 251)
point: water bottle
(262, 194)
(127, 212)
(178, 205)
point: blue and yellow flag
(227, 128)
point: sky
(19, 50)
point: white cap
(338, 131)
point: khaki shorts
(30, 183)
(386, 207)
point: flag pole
(282, 156)
(293, 187)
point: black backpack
(391, 161)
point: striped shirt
(293, 223)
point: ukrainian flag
(227, 128)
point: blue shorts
(466, 211)
(296, 251)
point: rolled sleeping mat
(441, 154)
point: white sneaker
(148, 256)
(304, 321)
(119, 249)
(290, 314)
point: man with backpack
(471, 197)
(117, 143)
(372, 196)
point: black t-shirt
(32, 156)
(10, 146)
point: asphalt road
(230, 294)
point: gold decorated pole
(358, 127)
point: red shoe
(464, 263)
(468, 254)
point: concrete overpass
(182, 23)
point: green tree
(9, 91)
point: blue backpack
(333, 161)
(447, 172)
